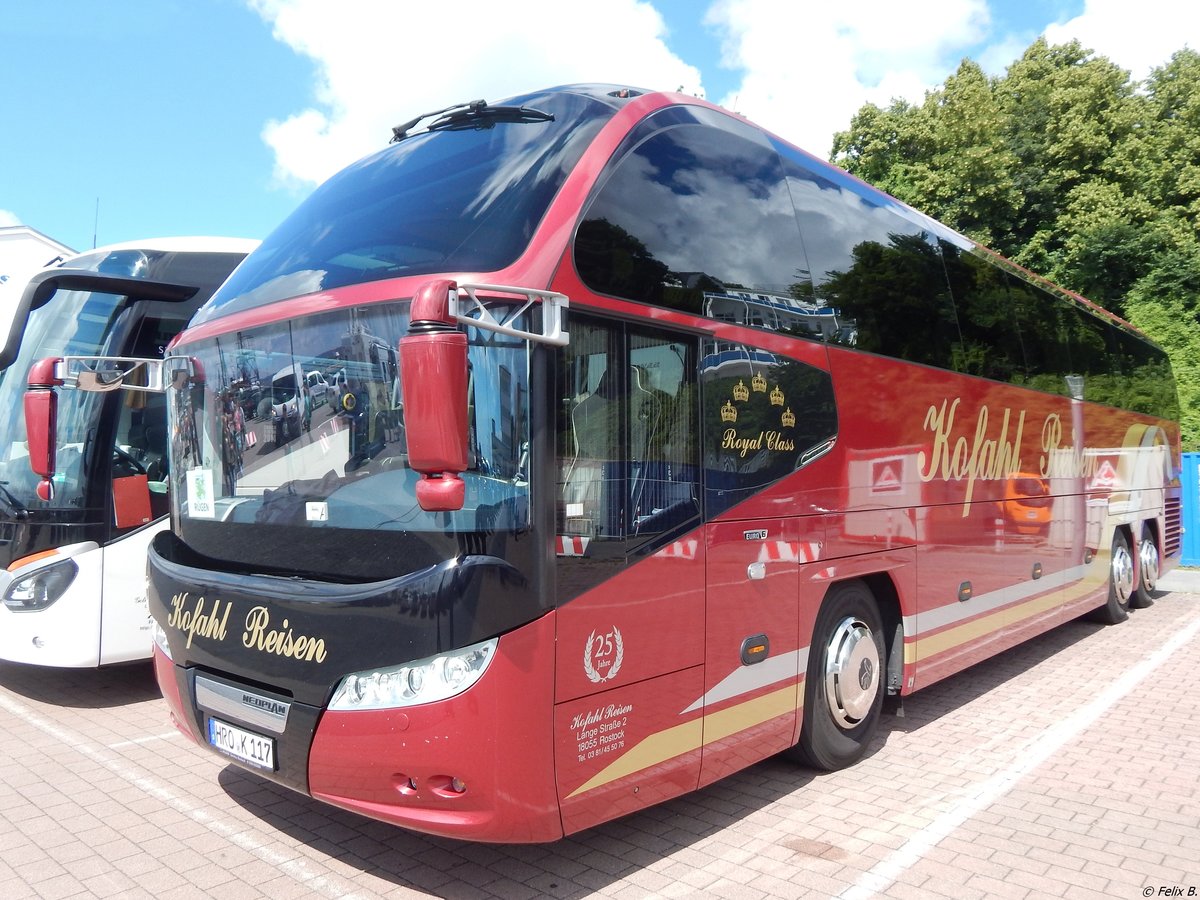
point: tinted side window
(1042, 319)
(991, 336)
(693, 212)
(878, 272)
(1142, 379)
(765, 416)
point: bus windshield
(291, 455)
(457, 200)
(72, 323)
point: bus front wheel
(843, 690)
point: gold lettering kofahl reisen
(983, 455)
(198, 619)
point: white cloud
(1138, 37)
(8, 218)
(380, 63)
(808, 67)
(804, 68)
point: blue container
(1191, 509)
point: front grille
(231, 701)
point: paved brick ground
(1069, 767)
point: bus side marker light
(755, 649)
(965, 591)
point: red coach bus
(654, 447)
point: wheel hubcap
(1148, 560)
(1122, 573)
(851, 672)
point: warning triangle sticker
(1105, 477)
(885, 477)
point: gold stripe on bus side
(679, 739)
(923, 648)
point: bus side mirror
(41, 423)
(433, 379)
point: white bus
(72, 592)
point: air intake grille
(1173, 539)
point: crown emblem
(788, 418)
(740, 393)
(728, 412)
(776, 396)
(759, 383)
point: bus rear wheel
(1120, 582)
(1149, 566)
(843, 690)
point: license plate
(252, 749)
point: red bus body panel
(397, 765)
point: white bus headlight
(39, 589)
(422, 681)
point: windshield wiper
(20, 513)
(476, 114)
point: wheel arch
(887, 596)
(887, 599)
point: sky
(128, 119)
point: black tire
(1120, 582)
(843, 691)
(1149, 567)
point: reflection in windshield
(74, 323)
(440, 201)
(301, 424)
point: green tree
(947, 156)
(1070, 168)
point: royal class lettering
(281, 641)
(773, 441)
(198, 620)
(982, 456)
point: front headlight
(39, 589)
(422, 681)
(160, 637)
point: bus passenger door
(629, 571)
(136, 475)
(752, 659)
